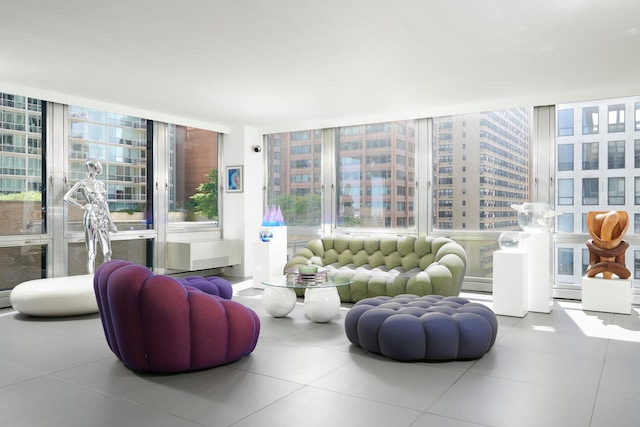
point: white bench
(55, 296)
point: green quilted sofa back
(388, 265)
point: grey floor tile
(314, 407)
(570, 320)
(301, 364)
(120, 413)
(214, 397)
(409, 385)
(38, 401)
(110, 376)
(11, 373)
(620, 380)
(499, 402)
(612, 411)
(570, 372)
(623, 351)
(324, 335)
(281, 328)
(430, 420)
(64, 352)
(547, 339)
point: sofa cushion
(410, 261)
(376, 259)
(372, 245)
(422, 246)
(406, 245)
(361, 258)
(388, 245)
(393, 260)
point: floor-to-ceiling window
(22, 197)
(596, 170)
(193, 176)
(44, 148)
(376, 175)
(294, 182)
(122, 144)
(481, 166)
(358, 179)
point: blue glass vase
(265, 235)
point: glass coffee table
(321, 300)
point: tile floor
(566, 368)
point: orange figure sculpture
(606, 248)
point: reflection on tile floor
(566, 368)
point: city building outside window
(23, 205)
(193, 176)
(616, 191)
(482, 167)
(616, 118)
(370, 161)
(616, 154)
(590, 120)
(590, 156)
(590, 195)
(565, 191)
(565, 122)
(603, 185)
(121, 143)
(565, 157)
(291, 155)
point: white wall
(242, 212)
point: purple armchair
(157, 323)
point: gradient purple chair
(157, 323)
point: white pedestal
(510, 280)
(269, 258)
(611, 295)
(539, 250)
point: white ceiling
(294, 64)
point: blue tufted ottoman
(429, 328)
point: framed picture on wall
(234, 179)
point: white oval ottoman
(55, 296)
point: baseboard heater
(203, 254)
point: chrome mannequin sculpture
(96, 219)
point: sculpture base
(269, 258)
(538, 246)
(610, 296)
(510, 288)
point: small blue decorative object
(273, 217)
(266, 235)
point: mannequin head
(94, 166)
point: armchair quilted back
(157, 323)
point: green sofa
(387, 265)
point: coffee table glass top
(331, 282)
